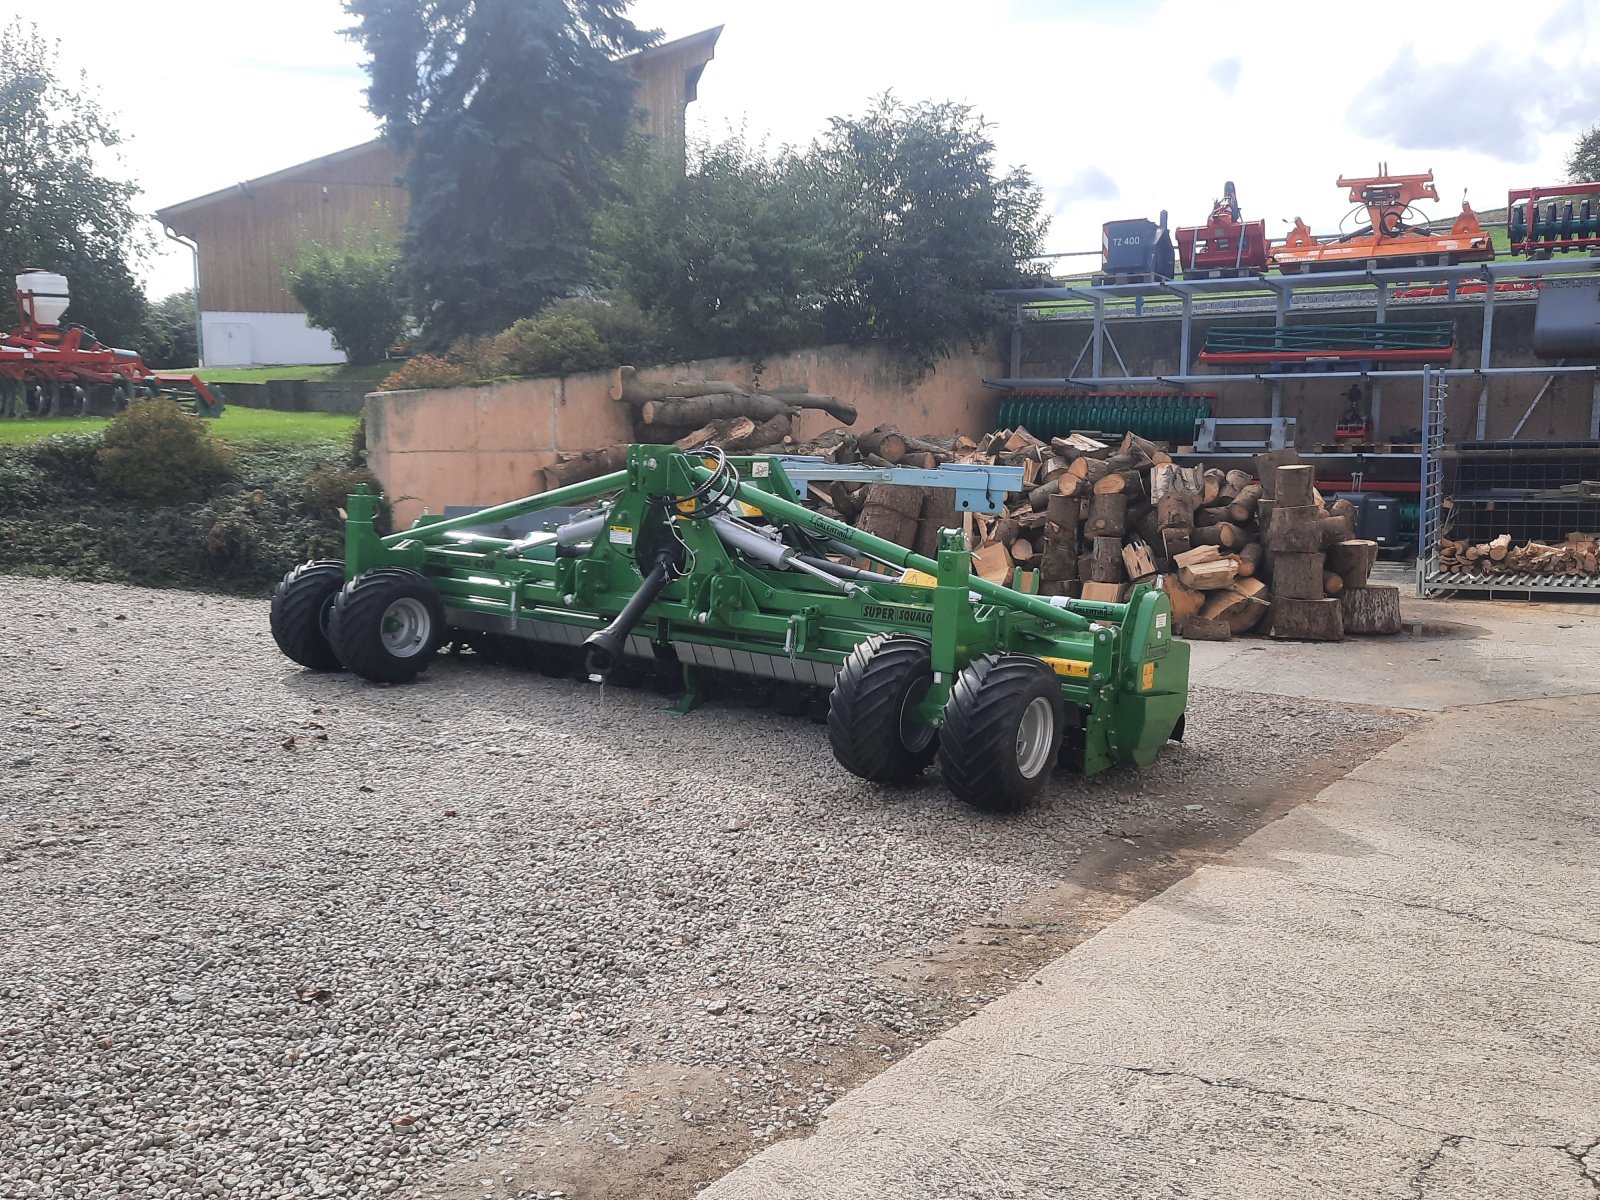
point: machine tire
(386, 625)
(994, 749)
(866, 710)
(300, 608)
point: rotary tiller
(702, 564)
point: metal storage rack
(1500, 487)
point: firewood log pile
(1235, 553)
(1579, 554)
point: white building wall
(264, 339)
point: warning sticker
(1071, 668)
(1161, 620)
(621, 535)
(1148, 680)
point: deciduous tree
(59, 210)
(1583, 164)
(739, 255)
(935, 225)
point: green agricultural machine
(705, 565)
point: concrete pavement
(1394, 991)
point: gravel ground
(265, 933)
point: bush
(328, 487)
(351, 289)
(428, 371)
(630, 334)
(553, 343)
(157, 454)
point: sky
(1118, 108)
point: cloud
(1225, 74)
(1483, 103)
(1091, 183)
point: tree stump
(1296, 486)
(1373, 608)
(1307, 620)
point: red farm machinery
(47, 368)
(1226, 245)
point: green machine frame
(714, 564)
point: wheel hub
(1035, 734)
(406, 627)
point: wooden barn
(243, 235)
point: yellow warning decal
(1148, 679)
(1070, 667)
(919, 578)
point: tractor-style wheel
(872, 713)
(1001, 732)
(386, 625)
(300, 607)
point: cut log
(1206, 517)
(1250, 559)
(1128, 482)
(1138, 560)
(1297, 576)
(1219, 604)
(1371, 609)
(1295, 529)
(1208, 576)
(1500, 547)
(1332, 585)
(1006, 530)
(697, 410)
(1103, 562)
(1336, 529)
(1021, 551)
(893, 511)
(1353, 560)
(1080, 446)
(1185, 601)
(1198, 556)
(993, 563)
(1201, 628)
(1108, 516)
(1227, 535)
(1211, 486)
(846, 501)
(584, 467)
(1086, 472)
(1296, 486)
(1174, 542)
(1307, 620)
(1243, 506)
(886, 442)
(1058, 564)
(1233, 483)
(1267, 464)
(1065, 513)
(771, 432)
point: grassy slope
(258, 425)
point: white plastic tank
(50, 296)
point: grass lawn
(332, 371)
(234, 425)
